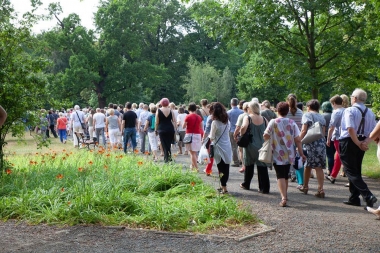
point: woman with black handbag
(255, 125)
(220, 144)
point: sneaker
(330, 178)
(299, 187)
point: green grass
(371, 165)
(110, 188)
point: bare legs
(194, 158)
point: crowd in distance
(348, 127)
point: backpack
(153, 122)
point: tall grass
(371, 165)
(107, 188)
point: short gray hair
(360, 94)
(76, 107)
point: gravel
(309, 224)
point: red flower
(8, 171)
(59, 176)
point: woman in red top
(61, 126)
(194, 127)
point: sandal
(304, 189)
(320, 194)
(243, 187)
(223, 192)
(283, 203)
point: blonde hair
(254, 107)
(111, 111)
(346, 100)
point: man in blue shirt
(357, 123)
(233, 115)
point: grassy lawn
(63, 185)
(371, 165)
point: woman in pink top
(194, 127)
(61, 126)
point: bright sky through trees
(85, 9)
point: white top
(75, 119)
(180, 120)
(220, 135)
(99, 120)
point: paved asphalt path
(309, 224)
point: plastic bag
(203, 156)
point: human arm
(297, 140)
(303, 131)
(329, 135)
(244, 126)
(363, 145)
(3, 115)
(122, 125)
(375, 134)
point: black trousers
(224, 172)
(166, 139)
(53, 131)
(352, 156)
(262, 177)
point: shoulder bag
(189, 138)
(211, 151)
(246, 138)
(82, 124)
(313, 133)
(266, 152)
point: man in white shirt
(76, 118)
(144, 114)
(99, 120)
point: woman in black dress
(165, 122)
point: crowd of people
(347, 132)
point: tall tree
(22, 81)
(312, 43)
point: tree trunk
(315, 92)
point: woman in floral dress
(316, 150)
(284, 134)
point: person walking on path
(333, 135)
(76, 118)
(357, 123)
(129, 127)
(220, 140)
(165, 123)
(316, 150)
(233, 115)
(3, 115)
(285, 135)
(99, 123)
(256, 124)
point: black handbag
(246, 138)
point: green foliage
(22, 81)
(112, 189)
(204, 81)
(307, 44)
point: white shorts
(153, 141)
(113, 135)
(195, 144)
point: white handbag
(265, 152)
(313, 133)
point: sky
(85, 9)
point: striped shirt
(297, 117)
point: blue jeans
(62, 134)
(98, 132)
(129, 133)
